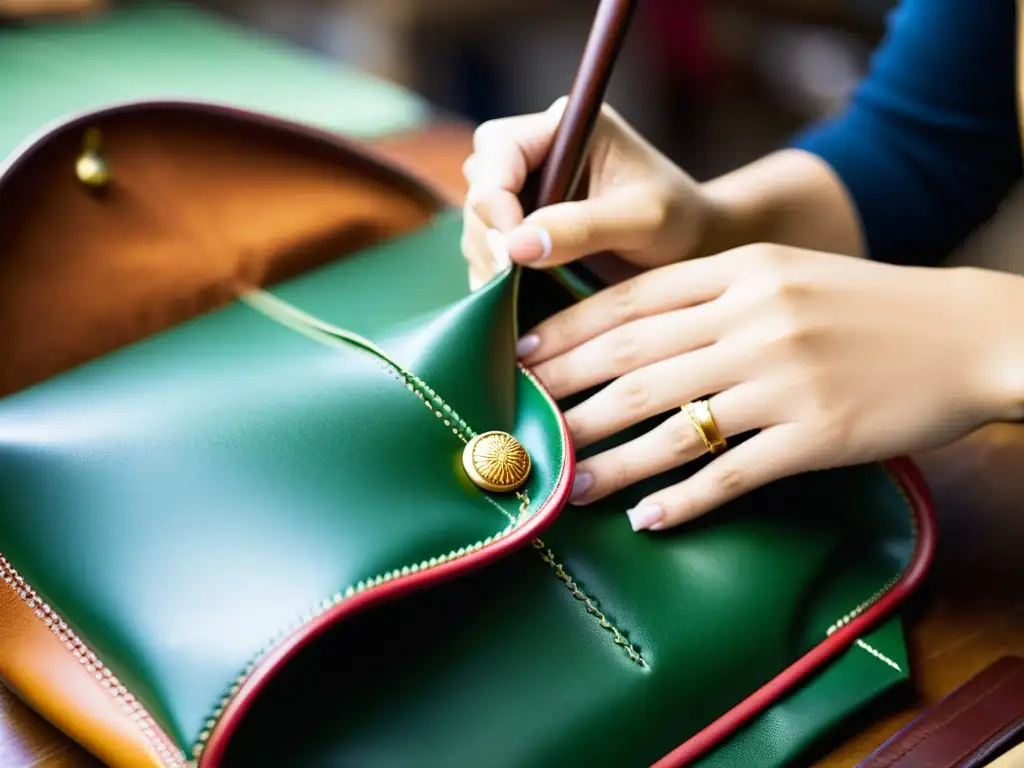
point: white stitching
(879, 655)
(95, 668)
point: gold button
(91, 167)
(496, 461)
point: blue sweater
(929, 145)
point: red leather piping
(235, 712)
(923, 507)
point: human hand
(828, 360)
(640, 205)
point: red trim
(922, 505)
(235, 712)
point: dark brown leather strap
(560, 173)
(968, 728)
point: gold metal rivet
(91, 167)
(496, 461)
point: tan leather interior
(47, 675)
(199, 203)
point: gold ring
(702, 420)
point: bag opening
(199, 199)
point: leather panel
(820, 712)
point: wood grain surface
(970, 612)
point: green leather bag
(242, 379)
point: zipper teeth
(888, 585)
(171, 758)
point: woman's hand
(640, 205)
(829, 360)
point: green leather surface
(507, 668)
(183, 500)
(807, 722)
(159, 48)
(276, 470)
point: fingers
(660, 290)
(630, 351)
(671, 444)
(770, 455)
(621, 219)
(484, 249)
(507, 149)
(649, 391)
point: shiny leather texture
(230, 472)
(184, 500)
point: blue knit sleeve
(929, 145)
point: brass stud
(496, 461)
(91, 167)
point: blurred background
(714, 83)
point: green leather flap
(184, 501)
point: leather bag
(258, 506)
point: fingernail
(528, 244)
(527, 344)
(499, 249)
(584, 482)
(645, 517)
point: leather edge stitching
(169, 754)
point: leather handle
(557, 178)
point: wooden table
(970, 613)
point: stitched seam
(169, 754)
(878, 654)
(888, 585)
(548, 557)
(921, 736)
(292, 317)
(589, 603)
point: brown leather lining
(49, 678)
(200, 201)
